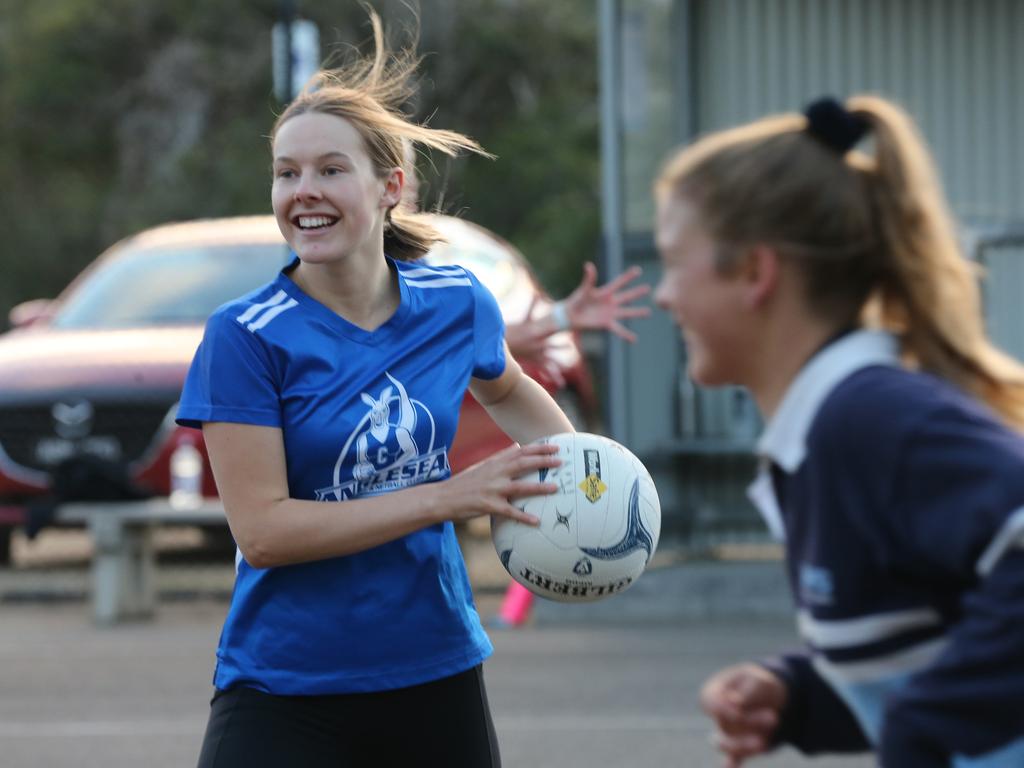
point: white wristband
(560, 316)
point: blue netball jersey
(361, 413)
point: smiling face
(705, 301)
(328, 199)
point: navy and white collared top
(901, 503)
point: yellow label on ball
(593, 488)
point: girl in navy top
(829, 282)
(328, 400)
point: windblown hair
(871, 234)
(370, 92)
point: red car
(91, 380)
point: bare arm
(273, 529)
(519, 405)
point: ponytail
(408, 236)
(927, 291)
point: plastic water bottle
(186, 476)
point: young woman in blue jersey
(829, 282)
(328, 400)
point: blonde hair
(369, 92)
(872, 235)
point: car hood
(39, 360)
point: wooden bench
(124, 558)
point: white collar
(784, 440)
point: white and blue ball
(597, 533)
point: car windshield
(169, 286)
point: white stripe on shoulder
(270, 314)
(255, 309)
(1010, 535)
(433, 271)
(845, 633)
(438, 282)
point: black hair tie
(831, 123)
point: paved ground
(610, 685)
(571, 696)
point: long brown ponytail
(928, 291)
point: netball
(597, 533)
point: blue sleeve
(959, 481)
(488, 333)
(962, 491)
(969, 701)
(231, 379)
(815, 719)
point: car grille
(121, 432)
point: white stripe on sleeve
(1010, 535)
(270, 314)
(438, 271)
(904, 662)
(255, 309)
(846, 633)
(439, 282)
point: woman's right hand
(746, 703)
(487, 488)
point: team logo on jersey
(817, 587)
(391, 448)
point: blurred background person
(831, 284)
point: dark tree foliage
(122, 114)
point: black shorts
(446, 722)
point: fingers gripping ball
(597, 533)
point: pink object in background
(515, 608)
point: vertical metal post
(684, 68)
(609, 57)
(123, 570)
(287, 10)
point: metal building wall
(956, 65)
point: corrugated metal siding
(956, 65)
